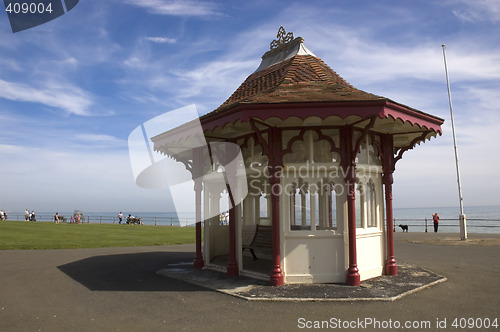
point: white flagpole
(463, 224)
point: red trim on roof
(363, 109)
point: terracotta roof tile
(302, 78)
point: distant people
(133, 220)
(78, 218)
(32, 215)
(2, 215)
(27, 215)
(56, 218)
(120, 217)
(435, 219)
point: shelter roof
(293, 87)
(291, 74)
(300, 77)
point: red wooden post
(390, 267)
(330, 202)
(292, 198)
(198, 258)
(277, 278)
(232, 265)
(198, 187)
(353, 277)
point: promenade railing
(422, 224)
(97, 219)
(427, 225)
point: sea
(480, 219)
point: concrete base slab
(410, 279)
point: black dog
(404, 228)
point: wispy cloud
(70, 61)
(487, 98)
(213, 76)
(100, 140)
(478, 10)
(10, 149)
(66, 97)
(162, 40)
(135, 61)
(178, 7)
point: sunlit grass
(48, 235)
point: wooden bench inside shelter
(257, 238)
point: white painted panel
(313, 259)
(370, 255)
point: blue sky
(72, 90)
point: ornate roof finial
(282, 38)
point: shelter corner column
(390, 266)
(198, 187)
(198, 259)
(277, 278)
(353, 278)
(232, 265)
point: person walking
(120, 218)
(435, 219)
(27, 215)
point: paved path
(116, 289)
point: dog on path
(404, 228)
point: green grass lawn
(47, 235)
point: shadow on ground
(173, 271)
(130, 272)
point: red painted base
(232, 270)
(353, 278)
(277, 278)
(391, 268)
(198, 262)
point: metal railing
(428, 224)
(96, 219)
(425, 224)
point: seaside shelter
(318, 156)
